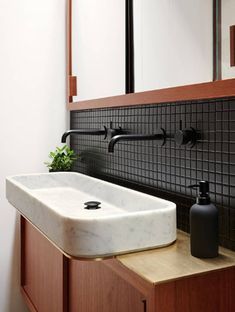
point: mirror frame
(216, 89)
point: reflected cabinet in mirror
(158, 44)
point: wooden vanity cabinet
(42, 271)
(210, 292)
(51, 282)
(94, 287)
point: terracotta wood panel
(212, 292)
(165, 298)
(232, 45)
(142, 285)
(28, 301)
(43, 274)
(94, 287)
(209, 90)
(72, 85)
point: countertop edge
(174, 262)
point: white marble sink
(127, 220)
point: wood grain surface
(201, 91)
(42, 270)
(174, 262)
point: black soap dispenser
(204, 237)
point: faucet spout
(84, 132)
(159, 136)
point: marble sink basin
(127, 220)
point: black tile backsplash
(167, 171)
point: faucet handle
(111, 132)
(186, 136)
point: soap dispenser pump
(203, 224)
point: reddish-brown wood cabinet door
(42, 271)
(94, 287)
(212, 292)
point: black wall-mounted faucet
(160, 136)
(106, 132)
(83, 132)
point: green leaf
(62, 159)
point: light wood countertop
(174, 262)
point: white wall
(99, 47)
(32, 116)
(227, 19)
(173, 43)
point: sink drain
(91, 205)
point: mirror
(98, 48)
(227, 20)
(173, 44)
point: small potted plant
(62, 159)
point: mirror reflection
(173, 44)
(98, 49)
(227, 20)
